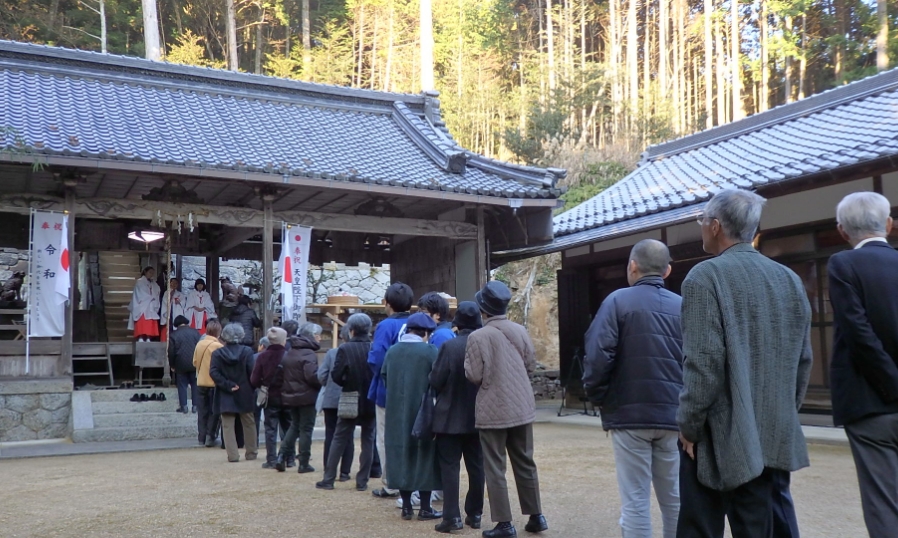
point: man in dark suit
(863, 288)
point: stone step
(116, 408)
(133, 434)
(144, 420)
(124, 395)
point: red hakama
(146, 327)
(202, 327)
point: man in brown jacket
(206, 420)
(499, 358)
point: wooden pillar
(66, 355)
(214, 265)
(267, 262)
(482, 269)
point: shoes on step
(193, 410)
(384, 494)
(344, 477)
(428, 515)
(473, 521)
(280, 464)
(324, 485)
(502, 530)
(210, 441)
(135, 397)
(268, 465)
(448, 525)
(142, 398)
(305, 469)
(154, 397)
(537, 523)
(161, 397)
(408, 514)
(361, 487)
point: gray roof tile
(837, 128)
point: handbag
(348, 407)
(422, 430)
(262, 395)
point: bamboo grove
(529, 80)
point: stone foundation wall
(11, 261)
(546, 384)
(32, 410)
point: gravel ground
(197, 492)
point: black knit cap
(467, 316)
(493, 298)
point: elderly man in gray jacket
(747, 352)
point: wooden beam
(66, 356)
(482, 277)
(242, 217)
(267, 263)
(234, 237)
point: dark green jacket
(412, 463)
(747, 361)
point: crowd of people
(701, 393)
(426, 390)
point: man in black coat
(634, 372)
(181, 344)
(453, 424)
(244, 314)
(863, 288)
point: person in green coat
(413, 463)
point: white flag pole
(30, 294)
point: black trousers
(207, 422)
(756, 509)
(343, 436)
(450, 449)
(302, 423)
(183, 380)
(330, 425)
(874, 445)
(277, 419)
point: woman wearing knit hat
(405, 372)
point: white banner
(294, 267)
(48, 282)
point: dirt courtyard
(198, 493)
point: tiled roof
(835, 129)
(62, 102)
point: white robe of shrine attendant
(144, 302)
(177, 307)
(198, 318)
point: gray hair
(651, 256)
(863, 214)
(291, 326)
(738, 211)
(310, 330)
(359, 324)
(264, 342)
(233, 333)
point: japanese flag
(286, 270)
(63, 280)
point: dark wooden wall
(425, 264)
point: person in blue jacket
(434, 305)
(397, 302)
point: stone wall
(11, 261)
(32, 410)
(546, 384)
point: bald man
(634, 372)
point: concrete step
(133, 434)
(124, 395)
(145, 420)
(115, 408)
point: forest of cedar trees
(578, 84)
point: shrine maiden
(144, 307)
(176, 300)
(199, 306)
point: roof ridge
(74, 59)
(831, 98)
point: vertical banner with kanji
(294, 268)
(48, 281)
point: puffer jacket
(499, 358)
(634, 357)
(231, 367)
(300, 385)
(248, 319)
(181, 345)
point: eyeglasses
(701, 219)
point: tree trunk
(736, 64)
(840, 14)
(764, 93)
(257, 60)
(646, 63)
(709, 68)
(663, 53)
(102, 26)
(232, 35)
(306, 37)
(550, 46)
(632, 55)
(882, 37)
(373, 69)
(361, 52)
(389, 66)
(426, 29)
(613, 53)
(787, 71)
(803, 60)
(721, 77)
(150, 30)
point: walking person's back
(633, 372)
(747, 360)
